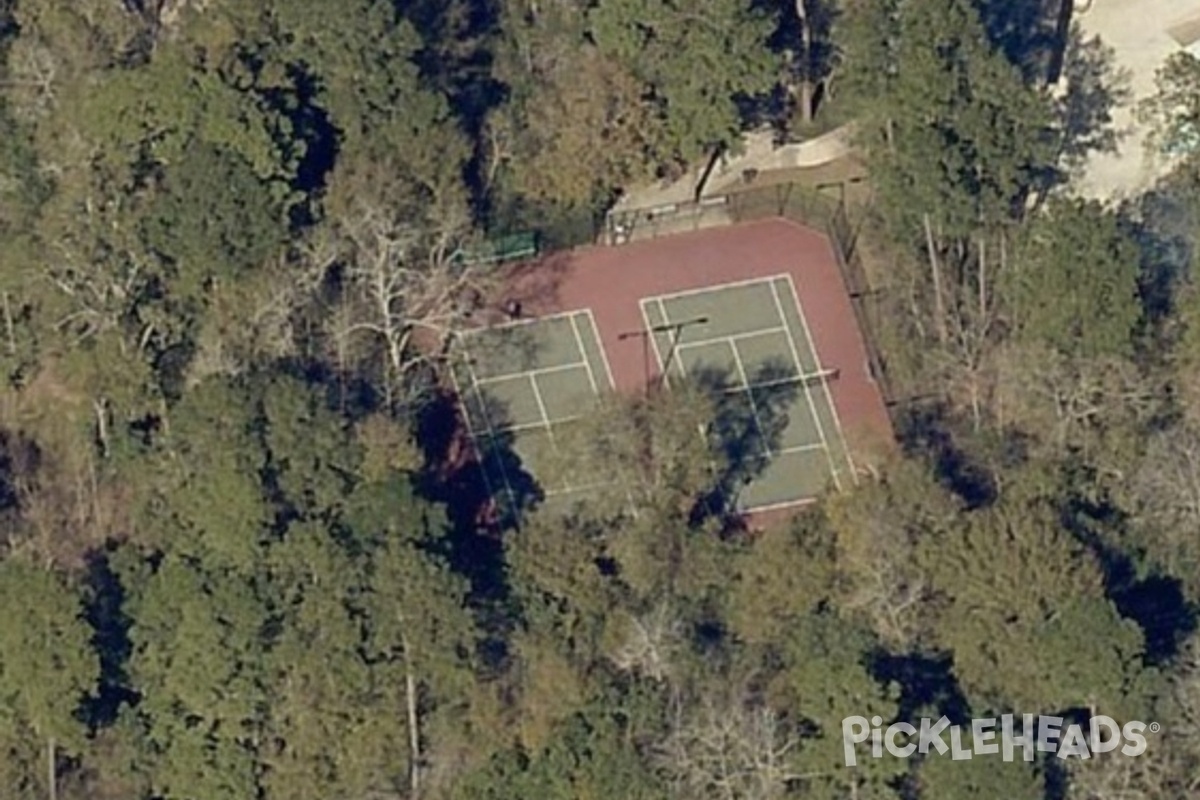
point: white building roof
(1142, 33)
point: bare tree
(1063, 399)
(33, 77)
(737, 749)
(649, 643)
(1165, 500)
(403, 284)
(879, 577)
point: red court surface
(610, 281)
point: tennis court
(523, 385)
(750, 341)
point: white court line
(549, 426)
(732, 338)
(574, 489)
(537, 395)
(512, 495)
(762, 433)
(807, 392)
(672, 355)
(512, 376)
(515, 323)
(807, 501)
(837, 418)
(534, 426)
(732, 342)
(583, 354)
(648, 330)
(800, 448)
(715, 288)
(478, 384)
(612, 384)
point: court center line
(804, 387)
(537, 395)
(584, 356)
(762, 432)
(512, 376)
(612, 384)
(837, 418)
(649, 332)
(671, 358)
(731, 337)
(702, 427)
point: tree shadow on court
(458, 474)
(743, 434)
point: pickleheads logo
(1028, 734)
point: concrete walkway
(671, 207)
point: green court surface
(523, 386)
(750, 341)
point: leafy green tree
(197, 665)
(825, 679)
(1173, 112)
(205, 498)
(332, 716)
(778, 578)
(47, 670)
(1026, 616)
(214, 220)
(1072, 285)
(693, 67)
(952, 130)
(416, 631)
(362, 59)
(590, 755)
(311, 458)
(979, 778)
(574, 125)
(878, 532)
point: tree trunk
(8, 327)
(983, 304)
(51, 769)
(805, 102)
(807, 87)
(935, 272)
(100, 406)
(414, 735)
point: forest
(233, 568)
